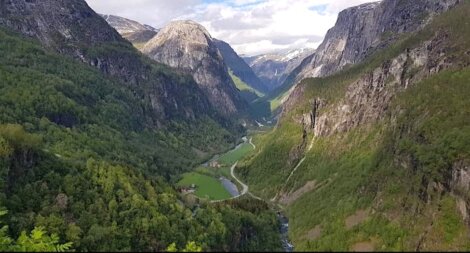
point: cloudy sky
(250, 26)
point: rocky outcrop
(273, 69)
(358, 32)
(135, 32)
(64, 25)
(361, 30)
(239, 67)
(71, 28)
(368, 99)
(460, 186)
(188, 46)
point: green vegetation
(206, 178)
(273, 161)
(82, 114)
(190, 247)
(242, 86)
(206, 187)
(223, 171)
(229, 158)
(38, 241)
(398, 170)
(81, 158)
(248, 93)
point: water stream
(284, 230)
(234, 191)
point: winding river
(234, 191)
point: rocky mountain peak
(274, 68)
(124, 25)
(133, 31)
(187, 29)
(188, 46)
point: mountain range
(116, 136)
(246, 80)
(274, 68)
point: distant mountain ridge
(133, 31)
(274, 68)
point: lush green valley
(104, 149)
(79, 159)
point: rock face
(273, 69)
(62, 25)
(188, 46)
(71, 28)
(368, 99)
(361, 30)
(239, 67)
(131, 30)
(460, 186)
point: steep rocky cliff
(65, 26)
(188, 46)
(135, 32)
(239, 67)
(380, 148)
(71, 28)
(361, 30)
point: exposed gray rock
(188, 46)
(131, 30)
(273, 69)
(368, 99)
(460, 186)
(63, 24)
(358, 32)
(461, 176)
(361, 30)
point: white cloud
(250, 26)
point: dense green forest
(386, 184)
(79, 162)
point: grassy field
(207, 187)
(206, 178)
(243, 86)
(229, 158)
(215, 172)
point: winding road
(251, 142)
(244, 186)
(288, 247)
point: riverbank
(219, 183)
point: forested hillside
(86, 155)
(374, 157)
